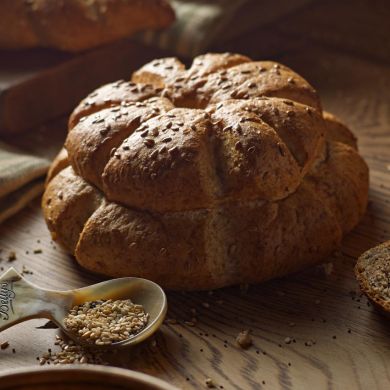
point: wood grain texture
(338, 340)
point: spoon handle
(21, 300)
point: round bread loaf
(77, 25)
(224, 173)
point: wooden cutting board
(39, 85)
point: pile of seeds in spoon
(105, 322)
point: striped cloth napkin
(200, 24)
(21, 179)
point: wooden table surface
(338, 341)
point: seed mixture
(106, 321)
(70, 353)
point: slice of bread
(372, 271)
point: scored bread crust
(197, 187)
(76, 25)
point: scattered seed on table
(71, 353)
(26, 271)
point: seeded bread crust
(76, 25)
(230, 190)
(214, 78)
(372, 271)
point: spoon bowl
(21, 300)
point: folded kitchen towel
(200, 24)
(21, 179)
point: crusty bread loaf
(76, 25)
(224, 173)
(372, 271)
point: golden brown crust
(214, 78)
(76, 25)
(256, 79)
(222, 192)
(111, 95)
(164, 165)
(298, 131)
(158, 72)
(94, 140)
(189, 159)
(121, 241)
(60, 162)
(341, 180)
(235, 243)
(16, 30)
(165, 71)
(337, 131)
(67, 204)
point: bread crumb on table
(244, 339)
(210, 383)
(11, 256)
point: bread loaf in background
(76, 25)
(225, 173)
